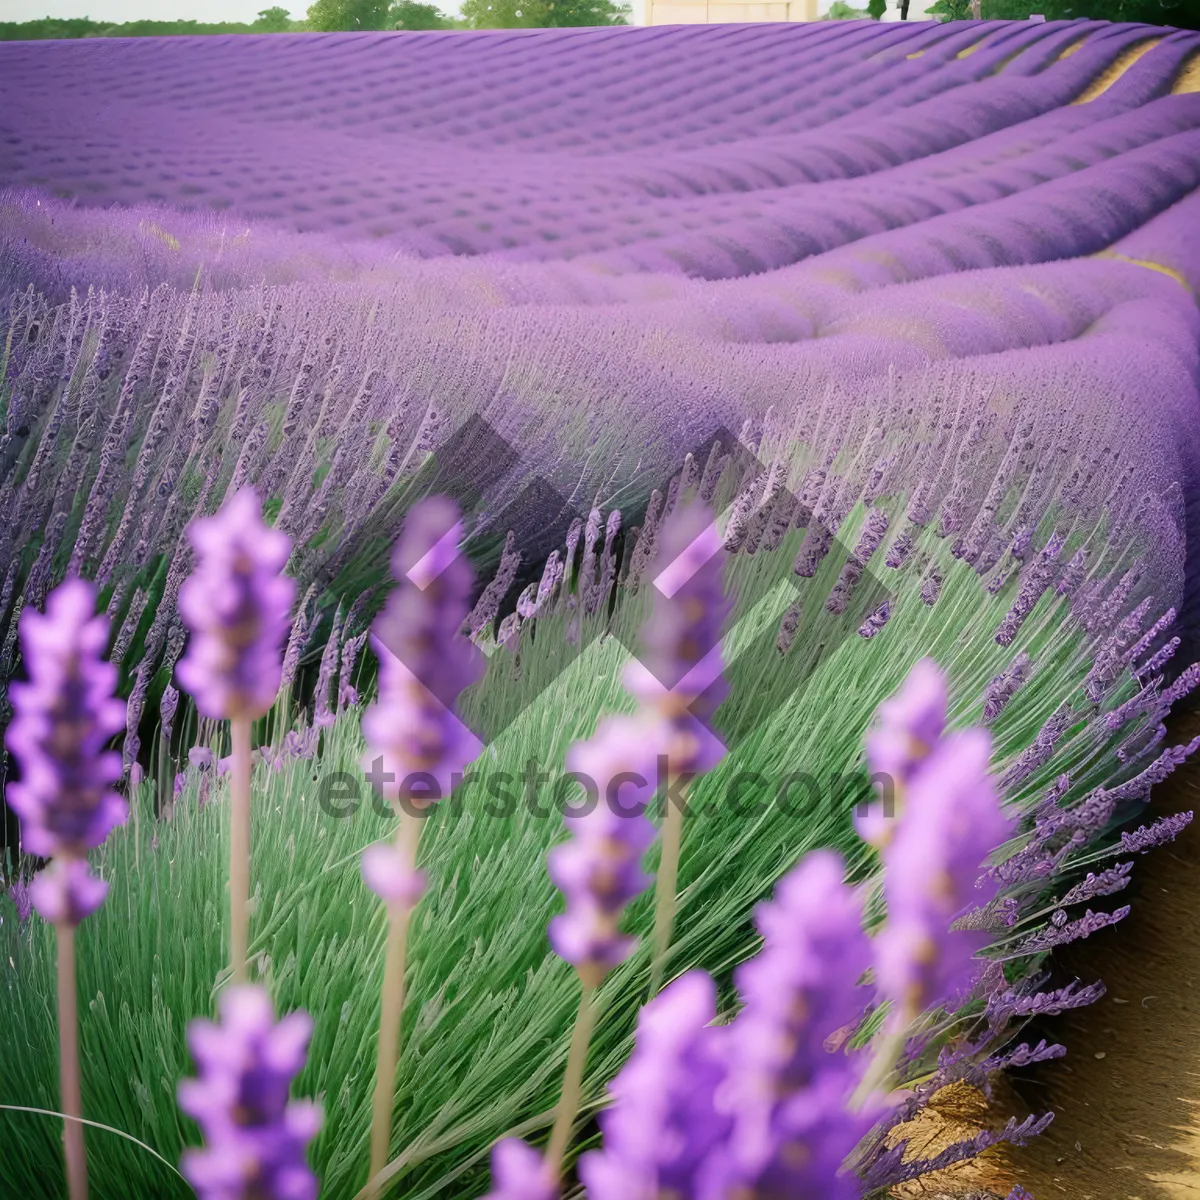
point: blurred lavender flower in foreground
(788, 1095)
(950, 824)
(663, 1123)
(64, 716)
(599, 869)
(423, 662)
(519, 1173)
(254, 1139)
(236, 605)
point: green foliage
(327, 16)
(1183, 14)
(273, 20)
(876, 9)
(839, 10)
(411, 14)
(543, 14)
(951, 10)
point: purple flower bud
(599, 869)
(254, 1139)
(64, 716)
(200, 757)
(1004, 686)
(18, 893)
(1104, 884)
(519, 1173)
(663, 1122)
(167, 709)
(910, 724)
(424, 663)
(65, 893)
(1164, 830)
(679, 674)
(236, 604)
(180, 784)
(387, 872)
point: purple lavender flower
(680, 670)
(65, 893)
(950, 824)
(1164, 830)
(1115, 879)
(519, 1173)
(254, 1139)
(200, 757)
(301, 743)
(18, 893)
(423, 662)
(599, 869)
(663, 1123)
(910, 724)
(786, 1092)
(1004, 686)
(64, 716)
(167, 709)
(236, 605)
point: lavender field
(582, 611)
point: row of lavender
(690, 1110)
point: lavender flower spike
(599, 869)
(254, 1139)
(788, 1096)
(663, 1124)
(950, 825)
(423, 662)
(236, 605)
(63, 718)
(908, 730)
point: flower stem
(391, 1009)
(568, 1104)
(239, 848)
(68, 1062)
(664, 893)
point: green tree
(876, 9)
(839, 10)
(273, 20)
(328, 16)
(543, 14)
(951, 10)
(411, 14)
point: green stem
(68, 1063)
(665, 893)
(572, 1088)
(391, 1009)
(239, 849)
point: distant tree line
(330, 15)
